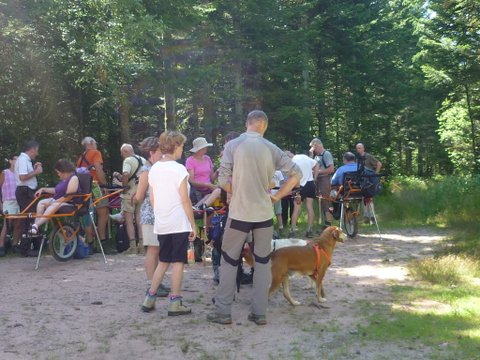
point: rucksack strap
(140, 163)
(323, 160)
(83, 159)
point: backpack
(121, 238)
(370, 183)
(215, 231)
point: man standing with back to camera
(369, 162)
(250, 162)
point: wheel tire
(61, 250)
(350, 222)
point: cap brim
(200, 148)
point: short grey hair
(316, 141)
(88, 140)
(127, 147)
(256, 115)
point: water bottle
(191, 253)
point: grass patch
(446, 270)
(444, 318)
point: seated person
(68, 184)
(200, 168)
(349, 165)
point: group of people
(162, 195)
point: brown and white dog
(311, 260)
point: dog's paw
(322, 300)
(296, 303)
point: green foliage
(443, 319)
(445, 270)
(444, 201)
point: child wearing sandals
(174, 222)
(68, 185)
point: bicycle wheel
(63, 242)
(350, 222)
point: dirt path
(84, 309)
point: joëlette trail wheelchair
(66, 223)
(347, 201)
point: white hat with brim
(199, 143)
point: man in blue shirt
(349, 165)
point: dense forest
(401, 76)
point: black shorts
(308, 190)
(173, 247)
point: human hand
(192, 236)
(38, 168)
(38, 192)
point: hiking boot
(149, 303)
(258, 319)
(132, 250)
(309, 234)
(292, 233)
(219, 318)
(2, 251)
(163, 291)
(177, 308)
(366, 220)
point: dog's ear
(337, 233)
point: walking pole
(372, 211)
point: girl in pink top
(10, 205)
(200, 168)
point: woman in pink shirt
(200, 168)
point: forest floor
(86, 309)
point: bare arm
(187, 207)
(292, 181)
(142, 187)
(100, 173)
(378, 167)
(329, 170)
(316, 169)
(37, 169)
(197, 184)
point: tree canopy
(403, 77)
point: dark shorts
(174, 247)
(308, 190)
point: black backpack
(370, 184)
(121, 238)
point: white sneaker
(117, 217)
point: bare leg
(310, 212)
(102, 219)
(151, 261)
(177, 277)
(130, 226)
(296, 212)
(158, 276)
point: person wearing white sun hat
(202, 174)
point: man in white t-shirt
(307, 192)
